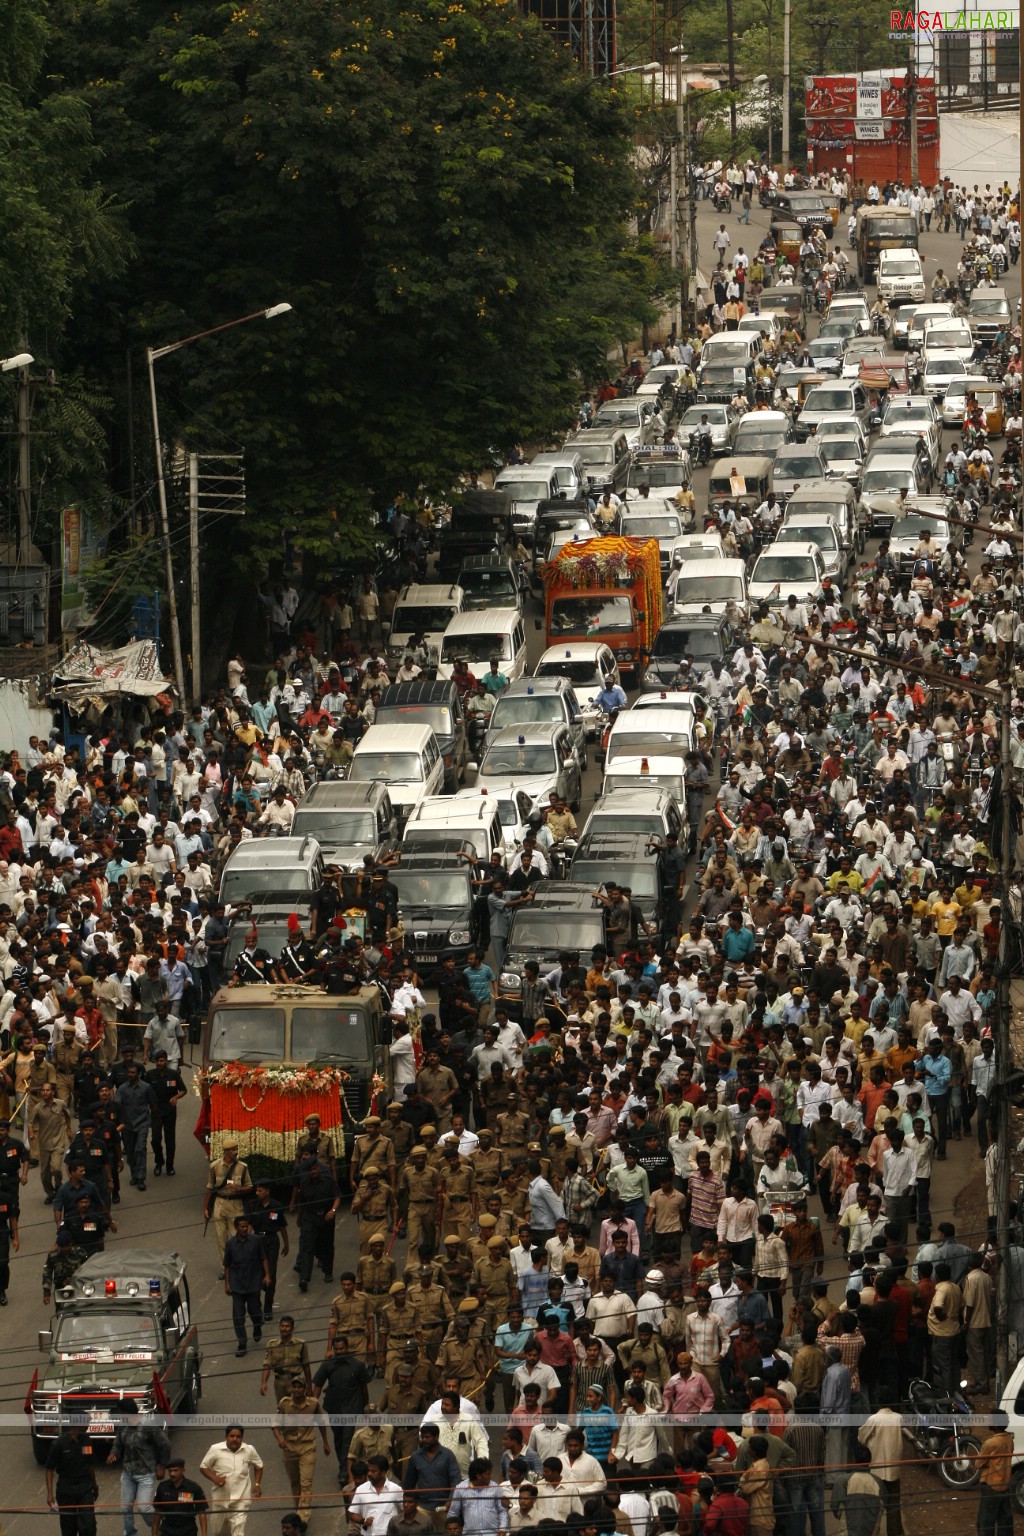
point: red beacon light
(645, 766)
(110, 1288)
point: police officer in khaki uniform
(67, 1056)
(424, 1259)
(433, 1311)
(504, 1223)
(438, 1086)
(298, 1441)
(476, 1248)
(513, 1129)
(558, 1156)
(456, 1268)
(399, 1132)
(373, 1204)
(458, 1194)
(376, 1272)
(496, 1275)
(316, 1143)
(533, 1151)
(418, 1188)
(486, 1163)
(352, 1315)
(403, 1399)
(425, 1377)
(464, 1357)
(286, 1356)
(515, 1197)
(376, 1149)
(39, 1072)
(396, 1324)
(227, 1184)
(435, 1152)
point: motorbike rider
(610, 696)
(880, 317)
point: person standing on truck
(143, 1451)
(179, 1505)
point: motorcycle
(946, 1443)
(721, 203)
(700, 448)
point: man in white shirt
(376, 1502)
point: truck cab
(122, 1332)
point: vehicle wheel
(583, 759)
(958, 1469)
(190, 1402)
(40, 1450)
(1017, 1495)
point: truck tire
(194, 1390)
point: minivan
(474, 818)
(741, 480)
(349, 821)
(527, 486)
(837, 499)
(650, 733)
(566, 466)
(476, 637)
(606, 456)
(438, 705)
(711, 586)
(406, 758)
(262, 864)
(426, 610)
(733, 346)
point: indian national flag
(729, 826)
(958, 604)
(869, 883)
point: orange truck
(606, 589)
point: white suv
(900, 277)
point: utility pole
(679, 168)
(786, 65)
(912, 114)
(1004, 1061)
(731, 58)
(24, 463)
(193, 568)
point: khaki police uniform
(418, 1189)
(352, 1316)
(459, 1189)
(223, 1180)
(286, 1358)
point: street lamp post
(153, 354)
(22, 361)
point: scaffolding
(585, 27)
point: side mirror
(471, 775)
(45, 1338)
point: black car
(560, 917)
(628, 859)
(436, 908)
(699, 639)
(437, 704)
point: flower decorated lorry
(606, 589)
(274, 1054)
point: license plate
(430, 959)
(101, 1427)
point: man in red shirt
(728, 1515)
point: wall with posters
(862, 124)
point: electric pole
(787, 11)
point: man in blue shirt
(737, 942)
(935, 1071)
(545, 1206)
(610, 697)
(481, 982)
(510, 1341)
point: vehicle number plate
(430, 959)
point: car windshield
(622, 822)
(667, 527)
(642, 878)
(354, 829)
(247, 1034)
(616, 411)
(430, 888)
(474, 647)
(410, 617)
(591, 615)
(595, 453)
(813, 533)
(527, 709)
(902, 268)
(822, 398)
(796, 461)
(888, 480)
(838, 450)
(692, 418)
(910, 529)
(547, 933)
(807, 506)
(643, 472)
(494, 589)
(672, 644)
(785, 568)
(437, 716)
(916, 415)
(949, 338)
(981, 306)
(92, 1332)
(579, 673)
(403, 767)
(827, 346)
(943, 365)
(709, 589)
(237, 884)
(330, 1034)
(525, 490)
(882, 224)
(726, 352)
(505, 759)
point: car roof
(486, 563)
(532, 733)
(696, 620)
(429, 592)
(599, 844)
(281, 852)
(574, 650)
(790, 549)
(563, 896)
(479, 620)
(642, 797)
(340, 795)
(526, 686)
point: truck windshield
(429, 617)
(591, 616)
(95, 1332)
(247, 1034)
(329, 1034)
(884, 226)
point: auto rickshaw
(788, 239)
(881, 377)
(990, 398)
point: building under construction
(585, 27)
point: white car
(939, 369)
(914, 413)
(809, 528)
(535, 758)
(631, 415)
(654, 382)
(939, 310)
(514, 807)
(781, 570)
(851, 304)
(949, 336)
(844, 454)
(585, 664)
(954, 399)
(795, 463)
(722, 420)
(859, 352)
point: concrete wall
(980, 147)
(20, 717)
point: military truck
(122, 1331)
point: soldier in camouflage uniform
(63, 1259)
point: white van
(567, 468)
(527, 485)
(900, 276)
(406, 758)
(422, 609)
(711, 585)
(476, 637)
(733, 346)
(475, 818)
(647, 733)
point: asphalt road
(169, 1215)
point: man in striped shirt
(706, 1195)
